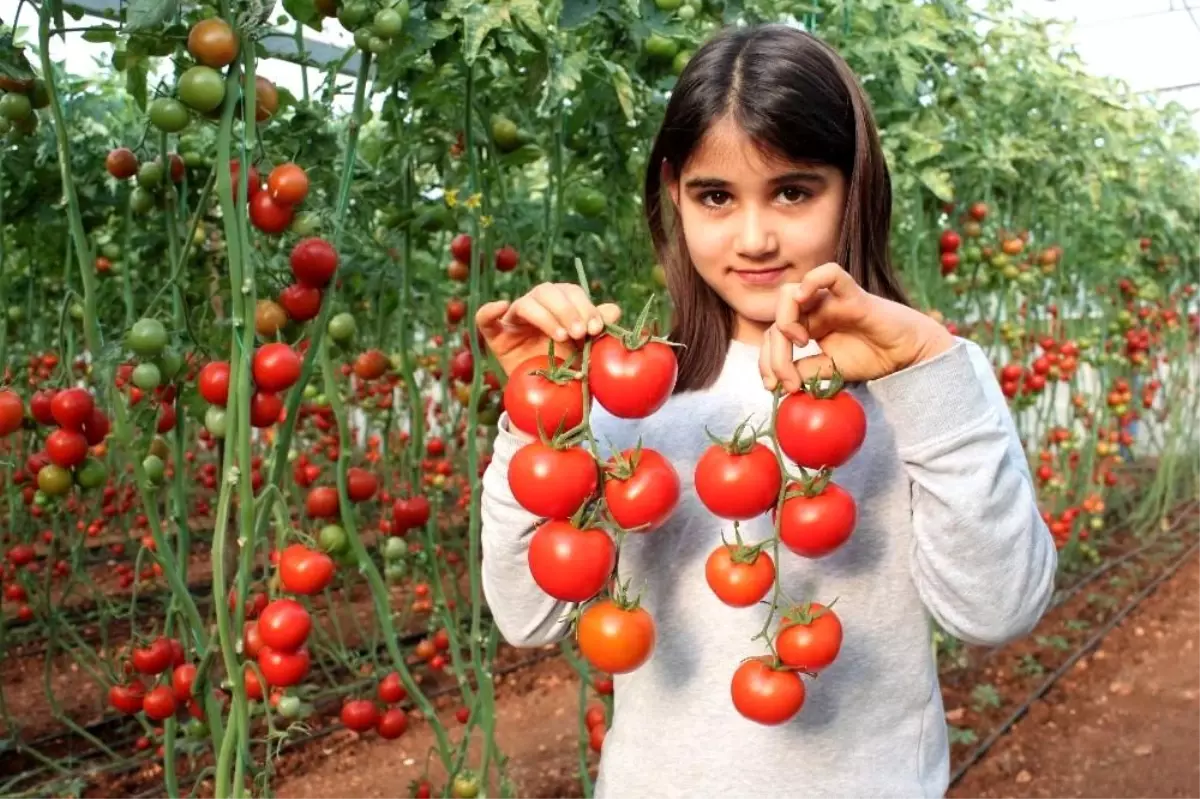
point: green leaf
(577, 12)
(478, 22)
(100, 34)
(938, 181)
(144, 14)
(623, 86)
(530, 13)
(303, 11)
(136, 69)
(13, 63)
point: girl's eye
(714, 199)
(794, 194)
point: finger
(610, 314)
(555, 299)
(781, 360)
(764, 365)
(830, 277)
(589, 315)
(813, 366)
(487, 318)
(530, 311)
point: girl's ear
(671, 181)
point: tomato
(284, 625)
(596, 737)
(809, 640)
(391, 690)
(281, 669)
(201, 88)
(460, 248)
(359, 715)
(301, 302)
(409, 513)
(288, 184)
(252, 642)
(159, 703)
(276, 367)
(266, 99)
(950, 262)
(66, 448)
(265, 407)
(314, 261)
(322, 502)
(253, 179)
(641, 489)
(40, 405)
(570, 564)
(816, 526)
(949, 241)
(506, 259)
(168, 114)
(153, 659)
(764, 694)
(392, 723)
(456, 309)
(147, 337)
(254, 689)
(631, 384)
(342, 328)
(304, 571)
(127, 698)
(552, 483)
(613, 639)
(213, 43)
(739, 576)
(464, 786)
(181, 681)
(388, 23)
(370, 365)
(213, 383)
(738, 486)
(269, 216)
(72, 407)
(532, 399)
(361, 485)
(590, 202)
(978, 211)
(12, 412)
(53, 481)
(121, 163)
(818, 433)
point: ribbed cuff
(932, 400)
(508, 441)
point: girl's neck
(749, 332)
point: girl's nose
(756, 238)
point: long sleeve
(983, 560)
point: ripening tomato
(810, 639)
(359, 715)
(460, 248)
(12, 412)
(643, 491)
(213, 383)
(276, 367)
(322, 502)
(159, 703)
(213, 43)
(153, 659)
(736, 485)
(282, 669)
(409, 513)
(392, 723)
(361, 484)
(764, 694)
(127, 698)
(269, 216)
(284, 625)
(532, 399)
(456, 309)
(631, 384)
(816, 526)
(288, 184)
(314, 262)
(506, 259)
(552, 483)
(121, 163)
(66, 448)
(614, 639)
(739, 576)
(978, 211)
(818, 433)
(370, 365)
(570, 564)
(304, 571)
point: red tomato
(392, 723)
(631, 384)
(265, 407)
(809, 640)
(818, 433)
(391, 690)
(314, 262)
(276, 367)
(153, 659)
(816, 526)
(642, 496)
(252, 642)
(254, 688)
(72, 408)
(533, 399)
(738, 486)
(409, 513)
(40, 406)
(361, 485)
(766, 695)
(181, 681)
(66, 448)
(96, 428)
(287, 184)
(281, 669)
(740, 577)
(552, 483)
(284, 625)
(613, 639)
(506, 259)
(213, 383)
(12, 412)
(304, 571)
(570, 564)
(359, 715)
(460, 248)
(159, 703)
(269, 216)
(949, 241)
(322, 502)
(301, 302)
(127, 698)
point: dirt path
(1124, 722)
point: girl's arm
(982, 559)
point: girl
(769, 203)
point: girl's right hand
(517, 331)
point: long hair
(794, 96)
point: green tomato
(310, 391)
(333, 540)
(196, 730)
(15, 313)
(353, 14)
(362, 38)
(171, 364)
(660, 48)
(147, 337)
(1001, 260)
(15, 107)
(395, 571)
(505, 133)
(201, 88)
(91, 474)
(668, 5)
(53, 481)
(388, 23)
(155, 468)
(146, 376)
(289, 706)
(141, 201)
(168, 114)
(193, 159)
(215, 421)
(150, 175)
(394, 549)
(687, 13)
(590, 203)
(111, 250)
(342, 328)
(680, 61)
(305, 223)
(378, 45)
(5, 126)
(76, 311)
(40, 94)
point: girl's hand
(865, 336)
(517, 331)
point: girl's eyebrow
(797, 176)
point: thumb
(487, 318)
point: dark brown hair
(797, 99)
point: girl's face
(753, 222)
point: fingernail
(595, 326)
(577, 330)
(560, 334)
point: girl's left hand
(865, 336)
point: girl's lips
(761, 277)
